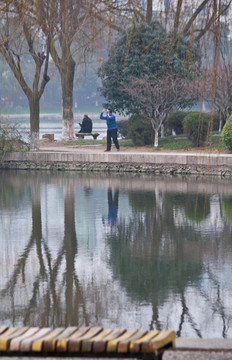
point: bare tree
(77, 31)
(20, 36)
(157, 97)
(222, 99)
(191, 19)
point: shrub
(123, 128)
(175, 121)
(11, 139)
(226, 134)
(140, 130)
(196, 127)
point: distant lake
(133, 251)
(52, 123)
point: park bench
(82, 135)
(84, 341)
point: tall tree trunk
(34, 123)
(149, 11)
(67, 78)
(156, 138)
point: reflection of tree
(227, 209)
(195, 206)
(50, 279)
(152, 256)
(10, 196)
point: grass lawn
(178, 142)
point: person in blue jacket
(112, 131)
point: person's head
(85, 116)
(109, 110)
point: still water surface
(117, 251)
(52, 124)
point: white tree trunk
(67, 129)
(156, 139)
(220, 125)
(34, 141)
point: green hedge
(196, 127)
(140, 130)
(226, 134)
(175, 121)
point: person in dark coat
(86, 125)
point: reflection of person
(112, 131)
(112, 208)
(86, 125)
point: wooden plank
(164, 338)
(6, 342)
(37, 345)
(112, 344)
(99, 346)
(4, 338)
(26, 344)
(74, 345)
(15, 343)
(62, 344)
(123, 346)
(88, 344)
(50, 345)
(135, 345)
(3, 328)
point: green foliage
(140, 131)
(11, 139)
(196, 127)
(226, 134)
(175, 121)
(144, 51)
(123, 126)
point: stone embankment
(88, 159)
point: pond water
(52, 124)
(129, 251)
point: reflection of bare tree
(74, 298)
(45, 305)
(154, 257)
(186, 313)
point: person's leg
(114, 134)
(108, 141)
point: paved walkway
(200, 349)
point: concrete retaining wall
(162, 163)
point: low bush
(226, 134)
(123, 126)
(175, 121)
(11, 138)
(196, 127)
(140, 130)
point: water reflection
(111, 219)
(83, 249)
